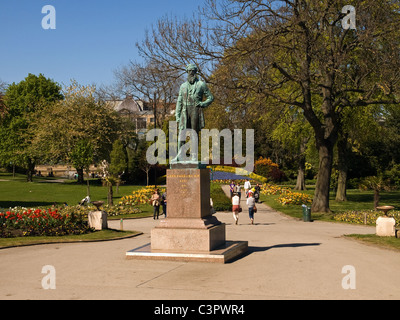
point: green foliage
(82, 155)
(376, 183)
(118, 160)
(394, 175)
(80, 116)
(23, 101)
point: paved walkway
(287, 259)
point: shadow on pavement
(253, 249)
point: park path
(287, 259)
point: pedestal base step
(222, 254)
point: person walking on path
(257, 190)
(247, 187)
(237, 190)
(155, 201)
(232, 188)
(235, 207)
(251, 204)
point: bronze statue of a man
(189, 106)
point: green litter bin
(306, 213)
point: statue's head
(191, 67)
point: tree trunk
(301, 181)
(80, 175)
(321, 195)
(342, 168)
(110, 194)
(376, 198)
(341, 192)
(88, 186)
(30, 171)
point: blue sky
(92, 37)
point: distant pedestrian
(164, 203)
(257, 190)
(247, 187)
(238, 190)
(155, 201)
(236, 207)
(251, 204)
(232, 188)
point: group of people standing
(252, 195)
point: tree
(150, 82)
(291, 54)
(82, 157)
(376, 183)
(118, 162)
(300, 56)
(79, 117)
(111, 172)
(3, 87)
(358, 127)
(23, 101)
(293, 131)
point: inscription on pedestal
(188, 193)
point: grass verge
(382, 242)
(103, 235)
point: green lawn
(42, 192)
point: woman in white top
(247, 187)
(235, 207)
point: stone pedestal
(385, 227)
(189, 225)
(189, 232)
(98, 220)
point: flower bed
(365, 216)
(296, 198)
(141, 196)
(286, 195)
(40, 222)
(270, 189)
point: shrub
(266, 168)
